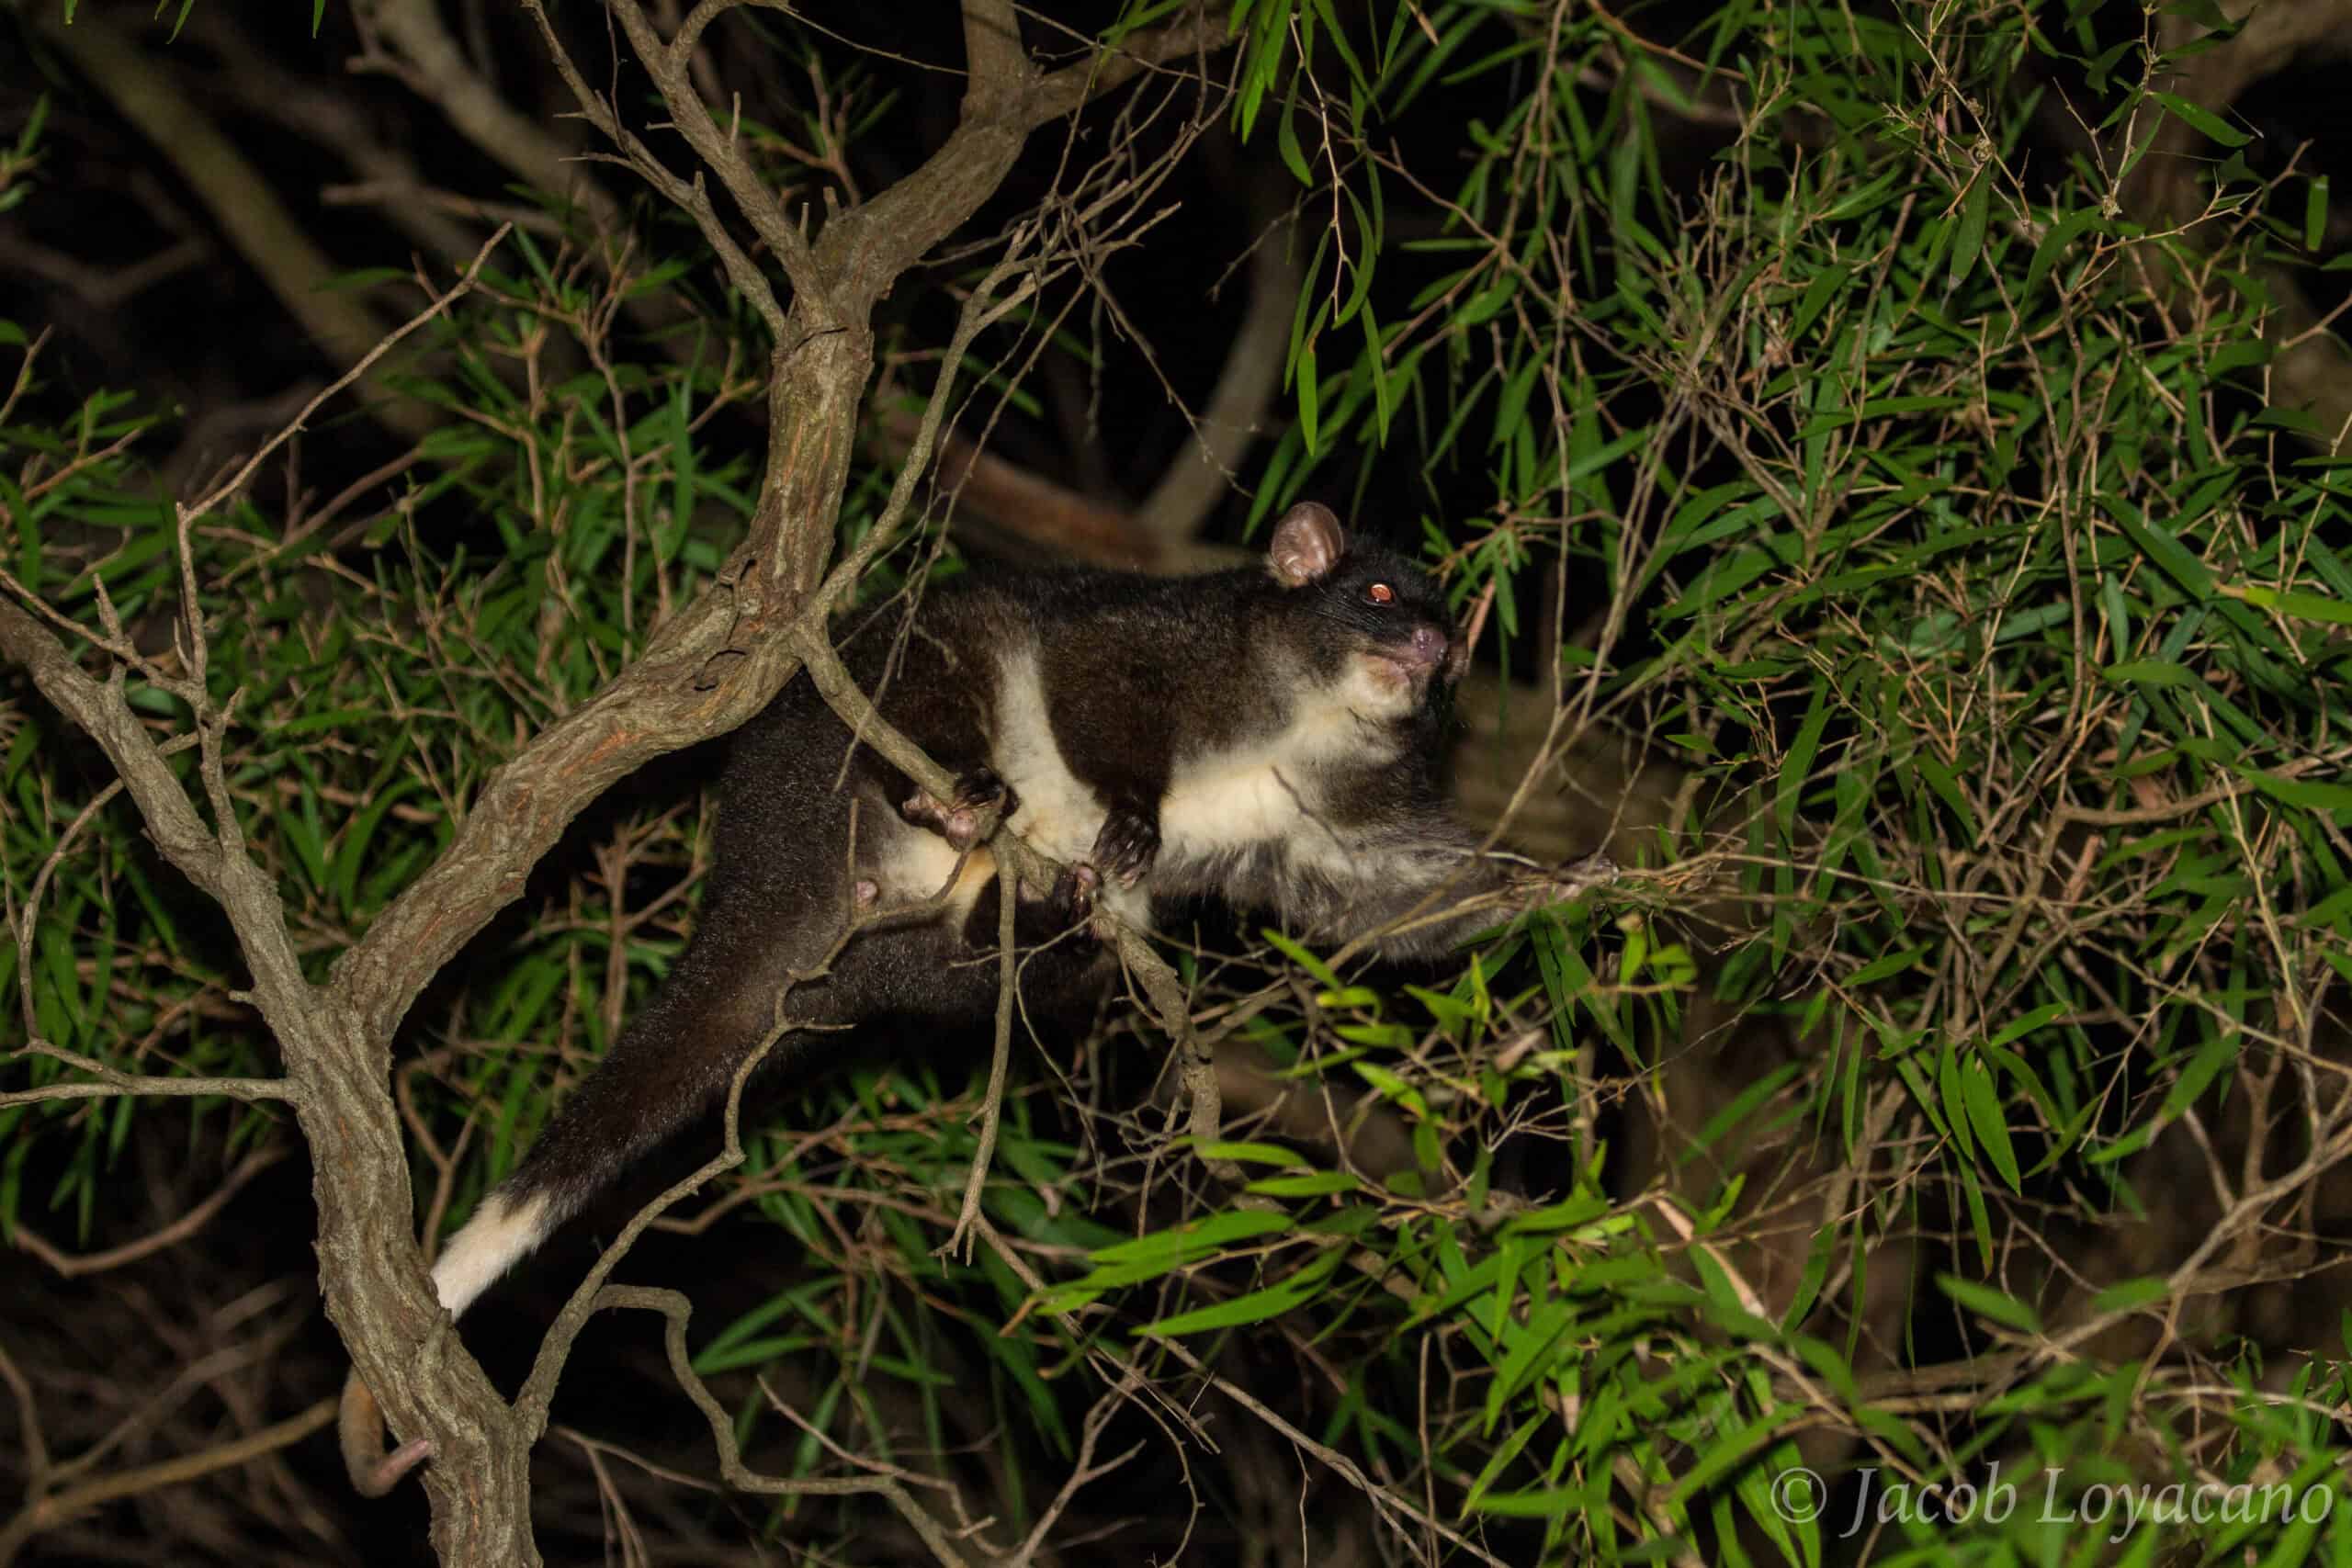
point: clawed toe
(1074, 893)
(980, 788)
(1126, 846)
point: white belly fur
(1269, 791)
(1266, 792)
(1059, 815)
(908, 864)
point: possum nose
(1429, 645)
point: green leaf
(1826, 283)
(1725, 1450)
(2298, 605)
(2202, 121)
(2315, 795)
(1286, 142)
(1252, 1154)
(2152, 673)
(2176, 561)
(1968, 239)
(2130, 1295)
(2217, 1053)
(1288, 1295)
(1300, 956)
(1310, 392)
(1197, 1239)
(1376, 371)
(1886, 967)
(1940, 780)
(1796, 769)
(1985, 1115)
(1953, 1095)
(1392, 1088)
(1530, 1350)
(1484, 305)
(2019, 1028)
(1313, 1184)
(1988, 1302)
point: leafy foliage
(1924, 502)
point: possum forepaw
(1128, 844)
(979, 788)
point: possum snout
(1403, 666)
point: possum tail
(360, 1425)
(507, 1226)
(666, 1069)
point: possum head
(1366, 618)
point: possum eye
(1380, 594)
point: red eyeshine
(1380, 593)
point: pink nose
(1429, 645)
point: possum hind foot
(977, 793)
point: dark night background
(143, 285)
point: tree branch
(997, 68)
(264, 233)
(111, 1083)
(49, 1512)
(1008, 991)
(1203, 472)
(688, 195)
(72, 1265)
(721, 152)
(867, 247)
(437, 70)
(675, 1309)
(1068, 89)
(702, 673)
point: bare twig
(73, 1264)
(677, 1310)
(365, 362)
(992, 1103)
(46, 1513)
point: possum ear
(1308, 543)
